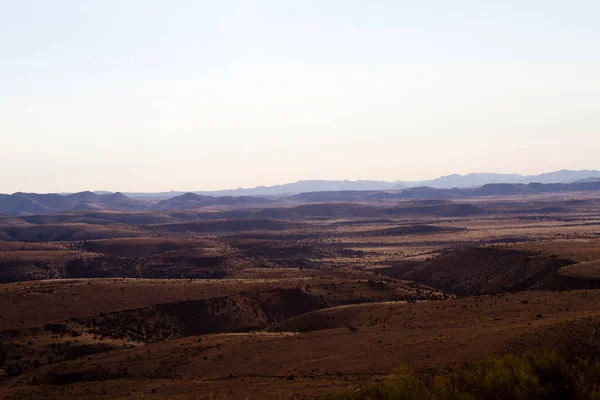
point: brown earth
(303, 299)
(426, 335)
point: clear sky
(149, 95)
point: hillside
(26, 204)
(34, 203)
(192, 201)
(426, 192)
(292, 300)
(489, 270)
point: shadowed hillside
(192, 201)
(488, 270)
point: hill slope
(192, 201)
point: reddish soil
(303, 300)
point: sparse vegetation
(540, 375)
(308, 298)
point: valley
(288, 301)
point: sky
(153, 95)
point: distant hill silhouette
(480, 179)
(444, 182)
(33, 203)
(591, 179)
(469, 180)
(425, 192)
(86, 197)
(22, 204)
(192, 200)
(284, 189)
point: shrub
(533, 376)
(402, 384)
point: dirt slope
(280, 365)
(487, 270)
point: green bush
(534, 376)
(402, 384)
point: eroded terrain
(289, 301)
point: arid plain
(289, 299)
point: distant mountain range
(284, 189)
(480, 179)
(33, 203)
(425, 192)
(444, 182)
(449, 187)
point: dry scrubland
(294, 301)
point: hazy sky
(155, 95)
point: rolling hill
(34, 203)
(192, 200)
(24, 204)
